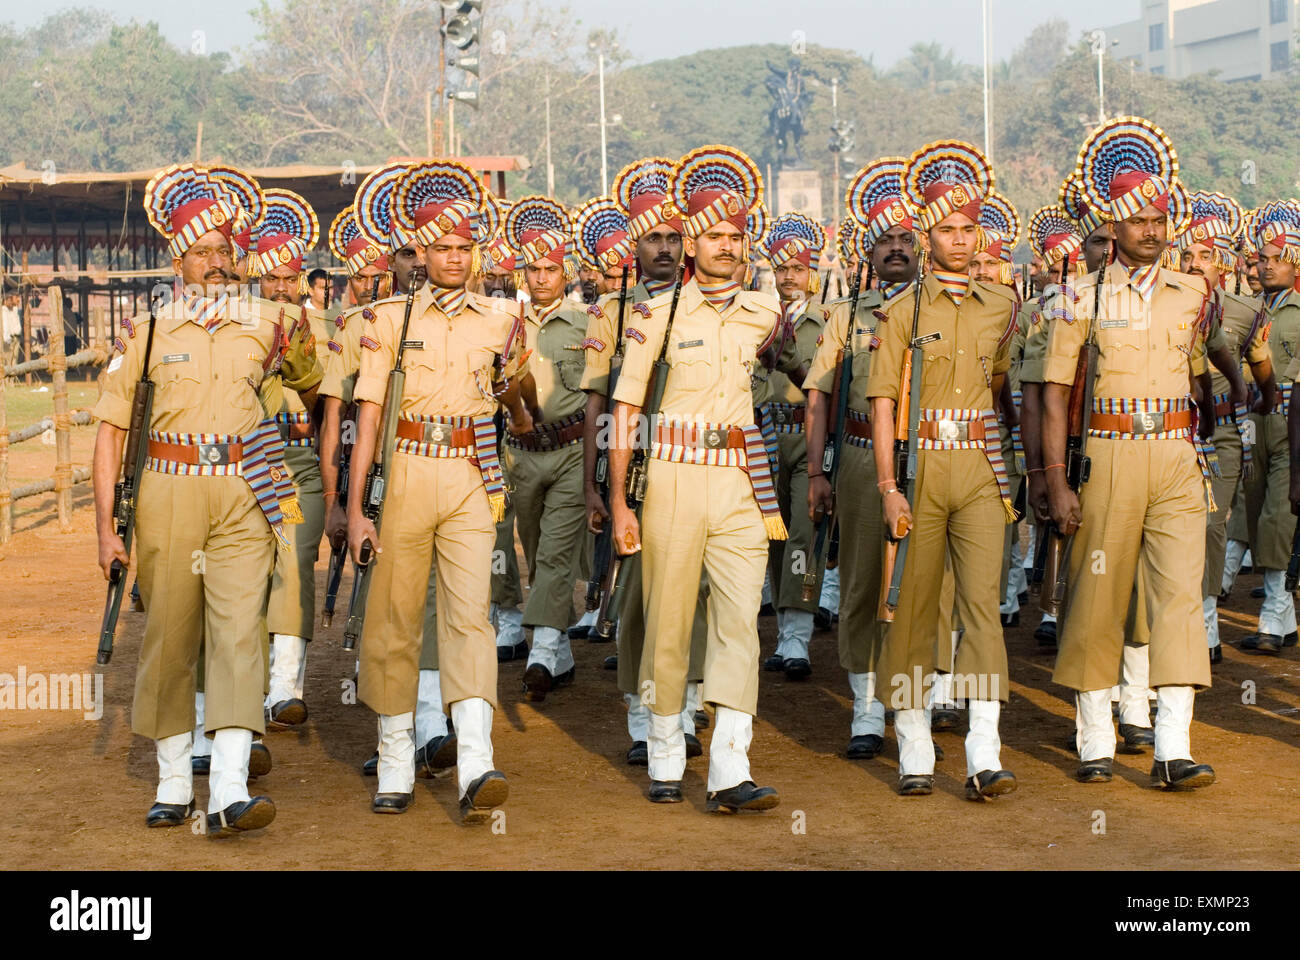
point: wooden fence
(64, 477)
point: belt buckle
(714, 439)
(214, 454)
(435, 433)
(1147, 422)
(782, 416)
(949, 431)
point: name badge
(928, 338)
(176, 358)
(413, 344)
(684, 344)
(1114, 324)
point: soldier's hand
(1205, 428)
(359, 531)
(1065, 510)
(336, 525)
(597, 515)
(1037, 497)
(1261, 406)
(112, 548)
(898, 513)
(627, 532)
(821, 499)
(1238, 393)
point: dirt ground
(75, 791)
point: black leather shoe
(137, 604)
(1094, 771)
(1023, 598)
(798, 669)
(865, 746)
(693, 746)
(259, 761)
(915, 785)
(537, 683)
(1181, 774)
(822, 619)
(391, 802)
(565, 679)
(1257, 593)
(488, 791)
(1216, 654)
(942, 720)
(289, 713)
(774, 663)
(767, 610)
(701, 720)
(168, 814)
(938, 753)
(1223, 597)
(1011, 619)
(1291, 639)
(1045, 634)
(665, 791)
(1249, 642)
(638, 755)
(990, 783)
(371, 767)
(252, 814)
(579, 631)
(438, 754)
(1267, 643)
(611, 662)
(1137, 739)
(200, 766)
(743, 796)
(507, 653)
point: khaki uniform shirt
(835, 332)
(1235, 321)
(1033, 316)
(206, 382)
(602, 336)
(448, 360)
(972, 346)
(1146, 347)
(711, 356)
(807, 335)
(557, 359)
(316, 340)
(343, 355)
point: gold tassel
(497, 501)
(302, 284)
(476, 261)
(1006, 274)
(291, 510)
(1009, 510)
(814, 283)
(775, 527)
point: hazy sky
(879, 28)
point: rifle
(1078, 465)
(905, 443)
(338, 554)
(598, 587)
(1293, 565)
(835, 436)
(372, 496)
(635, 485)
(127, 489)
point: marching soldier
(214, 487)
(544, 464)
(445, 488)
(1143, 510)
(286, 233)
(875, 207)
(655, 229)
(962, 500)
(1276, 228)
(710, 498)
(793, 247)
(1208, 250)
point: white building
(1241, 39)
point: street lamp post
(986, 25)
(1099, 48)
(604, 156)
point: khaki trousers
(696, 514)
(862, 532)
(1143, 511)
(205, 554)
(291, 608)
(550, 515)
(793, 557)
(1268, 510)
(436, 509)
(1227, 445)
(957, 509)
(630, 636)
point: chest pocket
(180, 384)
(936, 363)
(245, 380)
(569, 370)
(862, 351)
(986, 348)
(422, 372)
(1178, 355)
(1121, 351)
(690, 366)
(477, 367)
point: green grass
(26, 405)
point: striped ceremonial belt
(787, 418)
(767, 427)
(555, 435)
(1017, 441)
(260, 462)
(1223, 409)
(1283, 404)
(466, 438)
(953, 431)
(295, 429)
(1148, 418)
(857, 429)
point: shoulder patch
(820, 338)
(129, 327)
(119, 345)
(1264, 331)
(634, 334)
(595, 311)
(643, 309)
(592, 343)
(873, 343)
(369, 344)
(335, 346)
(368, 314)
(880, 315)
